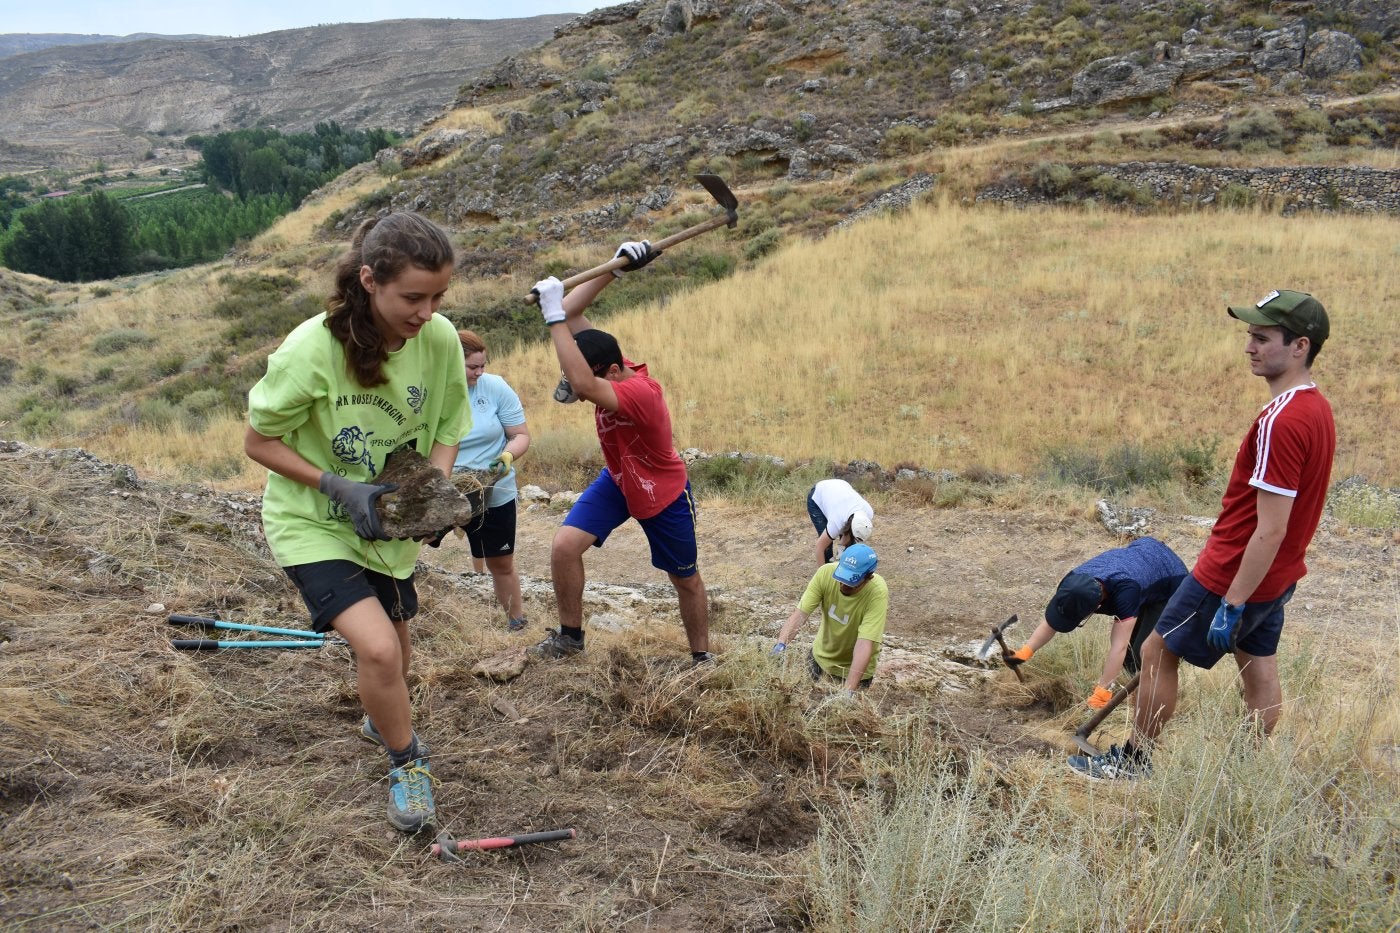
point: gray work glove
(564, 392)
(358, 501)
(637, 253)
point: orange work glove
(1023, 653)
(1099, 698)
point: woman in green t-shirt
(378, 370)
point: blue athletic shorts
(329, 587)
(495, 535)
(1188, 615)
(671, 532)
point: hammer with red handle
(447, 848)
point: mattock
(1006, 655)
(1081, 735)
(717, 189)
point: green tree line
(253, 178)
(264, 161)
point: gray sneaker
(411, 796)
(1113, 765)
(371, 734)
(556, 645)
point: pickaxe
(718, 190)
(1081, 736)
(996, 639)
(446, 848)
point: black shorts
(329, 587)
(818, 674)
(494, 536)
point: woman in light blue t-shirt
(498, 438)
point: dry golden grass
(469, 118)
(951, 337)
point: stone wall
(1326, 188)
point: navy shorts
(494, 536)
(329, 587)
(818, 519)
(670, 532)
(1188, 615)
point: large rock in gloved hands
(426, 502)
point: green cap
(1299, 312)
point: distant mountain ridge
(72, 105)
(17, 43)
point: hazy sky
(249, 17)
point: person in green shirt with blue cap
(854, 601)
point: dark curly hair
(388, 245)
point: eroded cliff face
(72, 105)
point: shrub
(763, 244)
(903, 140)
(8, 366)
(64, 384)
(1115, 469)
(203, 401)
(168, 365)
(1260, 129)
(1235, 195)
(116, 341)
(1051, 178)
(1309, 121)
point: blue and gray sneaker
(516, 625)
(371, 734)
(411, 796)
(1113, 765)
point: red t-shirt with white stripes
(1288, 451)
(637, 444)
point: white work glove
(637, 253)
(550, 292)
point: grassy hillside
(947, 338)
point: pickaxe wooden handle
(1007, 655)
(1081, 736)
(721, 193)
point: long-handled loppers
(296, 637)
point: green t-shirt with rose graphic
(310, 399)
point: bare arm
(1118, 638)
(860, 660)
(585, 383)
(823, 542)
(442, 457)
(273, 453)
(517, 440)
(1273, 511)
(790, 627)
(576, 301)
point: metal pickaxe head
(995, 638)
(721, 193)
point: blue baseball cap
(857, 562)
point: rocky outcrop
(1118, 79)
(1142, 76)
(1327, 53)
